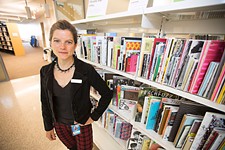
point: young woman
(65, 91)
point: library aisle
(21, 123)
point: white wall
(28, 29)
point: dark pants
(82, 141)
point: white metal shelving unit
(103, 139)
(148, 16)
(150, 133)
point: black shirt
(62, 102)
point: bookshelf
(184, 94)
(151, 17)
(107, 141)
(161, 19)
(5, 41)
(10, 41)
(151, 134)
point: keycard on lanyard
(75, 129)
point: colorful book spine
(212, 51)
(218, 83)
(154, 106)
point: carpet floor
(23, 66)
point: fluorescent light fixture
(29, 15)
(47, 11)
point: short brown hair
(63, 25)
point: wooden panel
(15, 38)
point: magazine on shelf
(191, 134)
(146, 48)
(149, 91)
(214, 138)
(220, 98)
(180, 46)
(109, 50)
(116, 51)
(211, 51)
(145, 109)
(162, 122)
(158, 45)
(145, 112)
(152, 113)
(209, 74)
(219, 84)
(132, 142)
(169, 122)
(165, 101)
(190, 76)
(117, 82)
(183, 136)
(187, 120)
(164, 63)
(220, 67)
(194, 49)
(173, 60)
(220, 139)
(187, 107)
(118, 124)
(157, 58)
(220, 88)
(126, 129)
(129, 54)
(210, 121)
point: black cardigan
(81, 104)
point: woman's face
(63, 44)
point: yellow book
(220, 97)
(222, 145)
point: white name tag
(76, 81)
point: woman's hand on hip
(51, 135)
(89, 121)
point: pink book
(132, 63)
(218, 83)
(212, 51)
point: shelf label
(96, 8)
(137, 4)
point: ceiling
(14, 10)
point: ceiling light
(47, 11)
(29, 14)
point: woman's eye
(56, 41)
(69, 42)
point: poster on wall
(96, 8)
(137, 4)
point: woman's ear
(75, 46)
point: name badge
(75, 129)
(76, 81)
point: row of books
(3, 29)
(115, 125)
(195, 66)
(139, 141)
(198, 132)
(173, 118)
(168, 115)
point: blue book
(152, 114)
(209, 73)
(118, 127)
